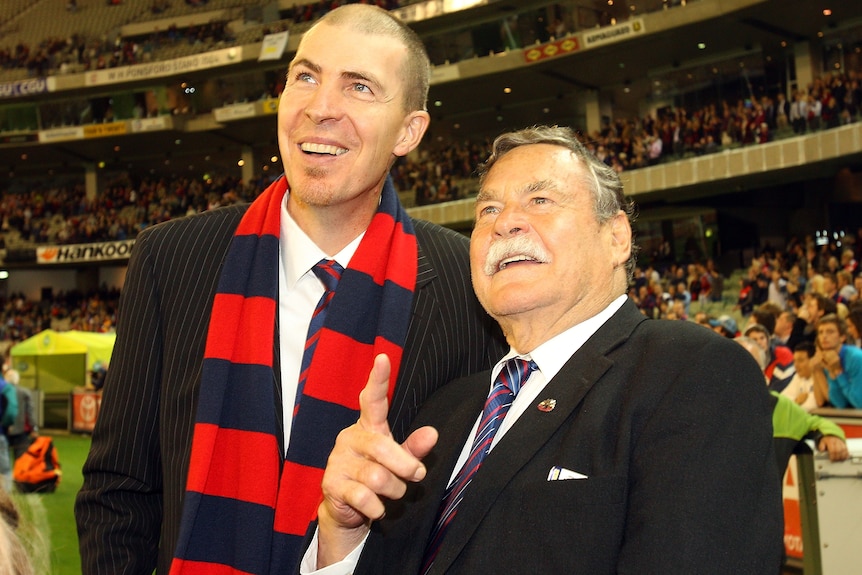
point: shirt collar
(300, 253)
(554, 353)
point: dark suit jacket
(670, 423)
(135, 475)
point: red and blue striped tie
(509, 381)
(328, 272)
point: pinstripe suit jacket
(129, 509)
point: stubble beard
(316, 191)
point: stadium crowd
(801, 304)
(62, 214)
(80, 52)
(437, 173)
(21, 317)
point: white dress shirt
(799, 385)
(299, 290)
(550, 358)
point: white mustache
(518, 248)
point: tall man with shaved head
(220, 407)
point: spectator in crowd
(760, 289)
(779, 368)
(848, 262)
(766, 315)
(801, 387)
(837, 367)
(683, 296)
(725, 325)
(549, 256)
(788, 330)
(354, 101)
(745, 299)
(716, 281)
(782, 110)
(777, 290)
(795, 286)
(791, 424)
(8, 413)
(25, 427)
(704, 319)
(97, 375)
(816, 282)
(817, 305)
(815, 112)
(799, 112)
(846, 291)
(830, 287)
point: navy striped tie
(328, 272)
(509, 381)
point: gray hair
(755, 350)
(601, 180)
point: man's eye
(357, 87)
(303, 77)
(488, 210)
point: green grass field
(48, 526)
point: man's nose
(511, 221)
(324, 104)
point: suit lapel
(533, 430)
(417, 510)
(424, 271)
(425, 307)
(453, 435)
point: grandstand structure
(191, 88)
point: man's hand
(832, 362)
(365, 466)
(816, 361)
(836, 447)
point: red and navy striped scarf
(246, 507)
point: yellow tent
(57, 362)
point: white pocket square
(561, 473)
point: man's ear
(414, 128)
(621, 237)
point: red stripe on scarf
(255, 221)
(203, 568)
(352, 369)
(302, 505)
(249, 343)
(368, 261)
(331, 360)
(235, 449)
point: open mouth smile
(325, 149)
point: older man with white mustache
(609, 443)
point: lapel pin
(547, 405)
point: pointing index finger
(373, 401)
